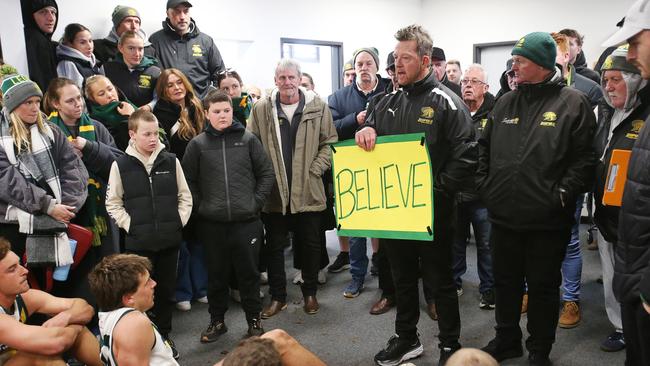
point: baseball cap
(174, 3)
(636, 20)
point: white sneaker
(264, 278)
(322, 276)
(184, 306)
(203, 300)
(297, 278)
(234, 294)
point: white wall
(454, 25)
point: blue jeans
(476, 214)
(572, 264)
(192, 279)
(358, 258)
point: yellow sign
(385, 193)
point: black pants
(227, 246)
(385, 276)
(164, 264)
(636, 326)
(432, 260)
(307, 242)
(535, 256)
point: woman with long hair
(109, 106)
(75, 54)
(43, 181)
(179, 110)
(180, 114)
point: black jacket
(536, 143)
(138, 85)
(41, 51)
(505, 87)
(428, 106)
(151, 200)
(623, 138)
(167, 114)
(632, 252)
(105, 49)
(591, 89)
(347, 102)
(479, 120)
(452, 86)
(229, 174)
(582, 69)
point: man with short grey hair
(181, 45)
(295, 127)
(125, 18)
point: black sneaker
(255, 327)
(215, 329)
(445, 354)
(374, 265)
(538, 359)
(501, 351)
(342, 262)
(170, 343)
(487, 300)
(615, 342)
(398, 351)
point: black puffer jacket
(430, 107)
(41, 51)
(229, 174)
(623, 138)
(537, 140)
(632, 252)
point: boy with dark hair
(230, 177)
(149, 198)
(124, 290)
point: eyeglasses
(474, 82)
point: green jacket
(311, 156)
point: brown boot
(273, 308)
(311, 305)
(382, 306)
(570, 315)
(524, 304)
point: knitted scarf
(93, 213)
(47, 242)
(108, 114)
(242, 108)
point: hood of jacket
(29, 7)
(193, 32)
(634, 83)
(485, 108)
(64, 50)
(112, 37)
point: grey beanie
(371, 50)
(16, 89)
(617, 61)
(120, 12)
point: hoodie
(41, 51)
(76, 66)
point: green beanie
(16, 89)
(617, 61)
(538, 47)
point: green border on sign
(387, 234)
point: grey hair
(418, 34)
(480, 68)
(288, 63)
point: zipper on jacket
(225, 171)
(153, 201)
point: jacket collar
(554, 79)
(146, 161)
(422, 86)
(235, 127)
(193, 32)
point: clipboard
(616, 177)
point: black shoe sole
(339, 269)
(512, 353)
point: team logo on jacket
(636, 128)
(426, 115)
(548, 119)
(510, 121)
(144, 81)
(483, 122)
(196, 50)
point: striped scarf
(93, 214)
(47, 242)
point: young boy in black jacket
(230, 177)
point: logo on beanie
(636, 128)
(548, 119)
(132, 13)
(10, 82)
(521, 42)
(609, 62)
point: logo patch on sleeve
(426, 115)
(636, 128)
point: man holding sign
(424, 105)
